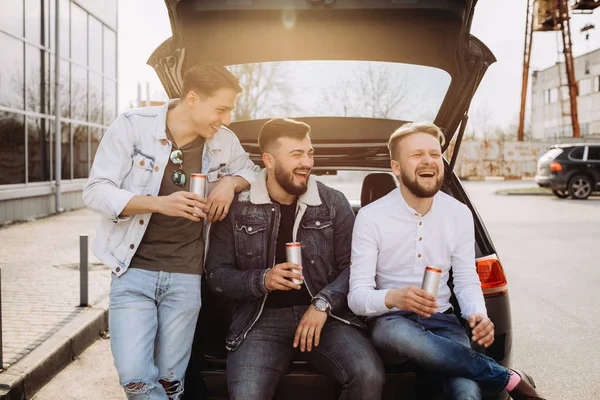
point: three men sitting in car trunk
(281, 307)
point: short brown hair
(206, 79)
(411, 128)
(275, 128)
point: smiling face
(291, 161)
(418, 164)
(208, 113)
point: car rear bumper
(543, 181)
(553, 181)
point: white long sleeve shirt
(392, 244)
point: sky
(501, 28)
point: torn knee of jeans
(174, 389)
(136, 387)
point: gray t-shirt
(174, 244)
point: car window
(594, 153)
(363, 89)
(577, 153)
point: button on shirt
(392, 244)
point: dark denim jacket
(238, 258)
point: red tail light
(555, 166)
(491, 275)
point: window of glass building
(79, 35)
(65, 149)
(110, 53)
(11, 17)
(11, 72)
(105, 10)
(96, 98)
(64, 85)
(39, 149)
(79, 93)
(65, 40)
(95, 137)
(95, 35)
(110, 101)
(33, 21)
(12, 148)
(48, 96)
(80, 151)
(35, 85)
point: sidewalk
(40, 296)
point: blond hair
(411, 128)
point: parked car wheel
(580, 187)
(561, 194)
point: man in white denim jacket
(151, 230)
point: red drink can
(293, 252)
(431, 280)
(198, 184)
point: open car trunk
(433, 33)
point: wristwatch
(321, 304)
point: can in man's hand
(198, 184)
(293, 252)
(431, 280)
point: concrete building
(87, 31)
(550, 116)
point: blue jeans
(152, 322)
(438, 343)
(344, 353)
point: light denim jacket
(130, 161)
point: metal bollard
(83, 270)
(1, 351)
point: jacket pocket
(251, 242)
(140, 174)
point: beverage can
(293, 252)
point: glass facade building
(87, 86)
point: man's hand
(220, 198)
(275, 279)
(309, 329)
(482, 329)
(412, 299)
(182, 204)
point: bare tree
(267, 91)
(375, 92)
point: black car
(570, 170)
(420, 49)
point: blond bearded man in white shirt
(394, 239)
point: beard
(285, 179)
(415, 187)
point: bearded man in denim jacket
(151, 230)
(273, 317)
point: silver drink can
(198, 184)
(431, 280)
(293, 252)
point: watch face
(321, 305)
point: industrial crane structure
(551, 16)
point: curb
(23, 379)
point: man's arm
(179, 204)
(336, 293)
(242, 173)
(240, 164)
(222, 273)
(112, 162)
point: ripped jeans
(152, 320)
